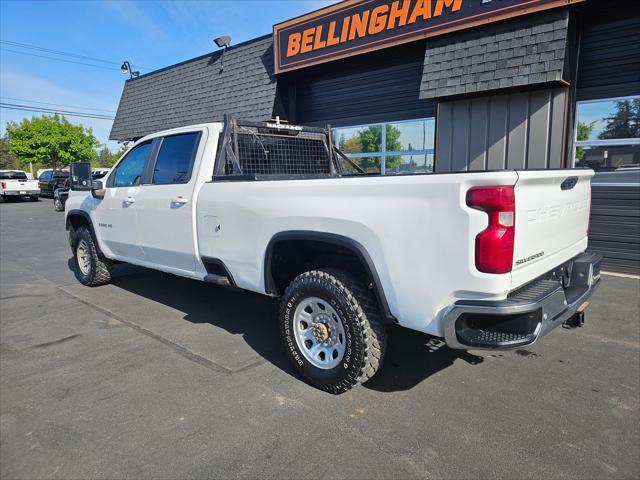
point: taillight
(4, 185)
(494, 245)
(40, 185)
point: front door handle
(180, 200)
(129, 200)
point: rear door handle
(129, 200)
(180, 200)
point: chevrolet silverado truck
(15, 184)
(484, 260)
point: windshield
(61, 174)
(13, 176)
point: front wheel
(330, 324)
(90, 268)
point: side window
(175, 158)
(129, 170)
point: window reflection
(390, 148)
(608, 120)
(610, 158)
(608, 134)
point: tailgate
(13, 185)
(552, 220)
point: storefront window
(390, 148)
(608, 134)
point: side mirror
(80, 178)
(97, 189)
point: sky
(149, 34)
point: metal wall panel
(615, 220)
(460, 138)
(376, 87)
(609, 64)
(498, 118)
(478, 135)
(512, 131)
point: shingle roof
(525, 51)
(196, 91)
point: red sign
(353, 27)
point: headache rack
(276, 150)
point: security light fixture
(223, 41)
(126, 67)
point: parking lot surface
(156, 376)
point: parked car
(485, 260)
(14, 184)
(51, 180)
(62, 193)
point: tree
(583, 133)
(625, 122)
(106, 159)
(103, 159)
(369, 140)
(51, 141)
(8, 161)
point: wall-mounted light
(126, 67)
(223, 42)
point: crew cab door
(166, 204)
(116, 218)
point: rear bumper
(529, 313)
(18, 193)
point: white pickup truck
(485, 260)
(15, 184)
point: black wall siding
(609, 64)
(615, 226)
(377, 87)
(512, 131)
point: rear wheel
(90, 268)
(34, 198)
(332, 331)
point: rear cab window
(13, 176)
(174, 163)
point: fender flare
(87, 217)
(330, 238)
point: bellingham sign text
(353, 27)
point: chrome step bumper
(529, 313)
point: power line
(58, 59)
(58, 104)
(30, 108)
(68, 54)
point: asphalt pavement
(156, 376)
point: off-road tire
(34, 198)
(356, 305)
(100, 268)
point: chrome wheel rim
(83, 257)
(57, 203)
(319, 333)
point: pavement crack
(179, 349)
(55, 342)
